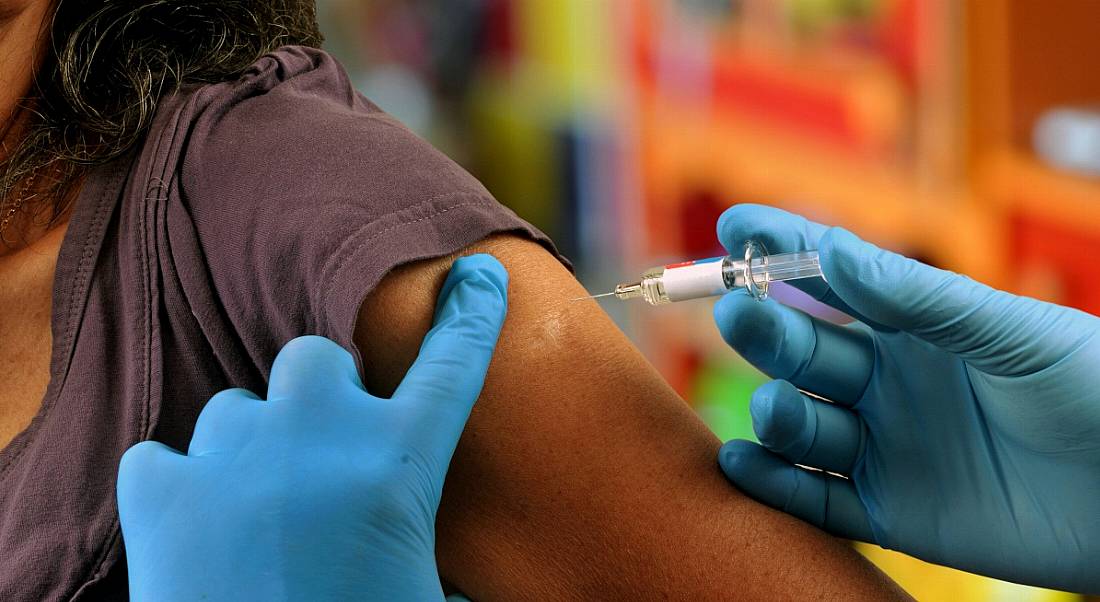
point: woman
(189, 185)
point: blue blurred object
(323, 491)
(968, 419)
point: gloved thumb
(985, 326)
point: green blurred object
(721, 393)
(809, 17)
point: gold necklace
(19, 200)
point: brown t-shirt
(255, 211)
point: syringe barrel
(716, 275)
(685, 280)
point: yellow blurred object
(566, 50)
(514, 148)
(926, 581)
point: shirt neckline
(76, 261)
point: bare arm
(581, 474)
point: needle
(593, 296)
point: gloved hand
(967, 419)
(323, 491)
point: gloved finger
(806, 431)
(991, 329)
(227, 421)
(780, 232)
(312, 368)
(823, 500)
(829, 360)
(145, 472)
(447, 376)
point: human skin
(26, 270)
(21, 25)
(581, 475)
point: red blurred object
(901, 35)
(740, 86)
(1056, 263)
(499, 42)
(744, 87)
(684, 371)
(700, 209)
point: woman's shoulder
(286, 196)
(293, 129)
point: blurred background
(965, 133)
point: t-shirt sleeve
(304, 194)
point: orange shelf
(749, 162)
(1015, 181)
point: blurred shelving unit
(907, 121)
(1026, 59)
(624, 127)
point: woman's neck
(22, 25)
(22, 36)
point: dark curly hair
(107, 64)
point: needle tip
(592, 297)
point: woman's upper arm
(581, 474)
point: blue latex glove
(323, 491)
(968, 419)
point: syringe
(717, 275)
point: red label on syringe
(684, 264)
